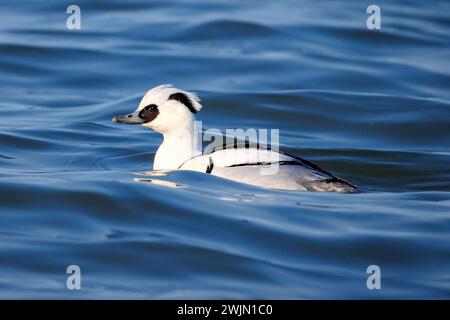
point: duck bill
(129, 119)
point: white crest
(160, 94)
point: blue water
(370, 106)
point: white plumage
(171, 112)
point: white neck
(178, 146)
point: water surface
(370, 106)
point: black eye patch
(149, 113)
(181, 97)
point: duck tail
(334, 184)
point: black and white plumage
(171, 112)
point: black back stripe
(184, 99)
(263, 163)
(210, 166)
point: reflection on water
(159, 182)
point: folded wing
(267, 168)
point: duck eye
(151, 107)
(149, 113)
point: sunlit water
(370, 106)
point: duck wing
(267, 168)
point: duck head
(164, 109)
